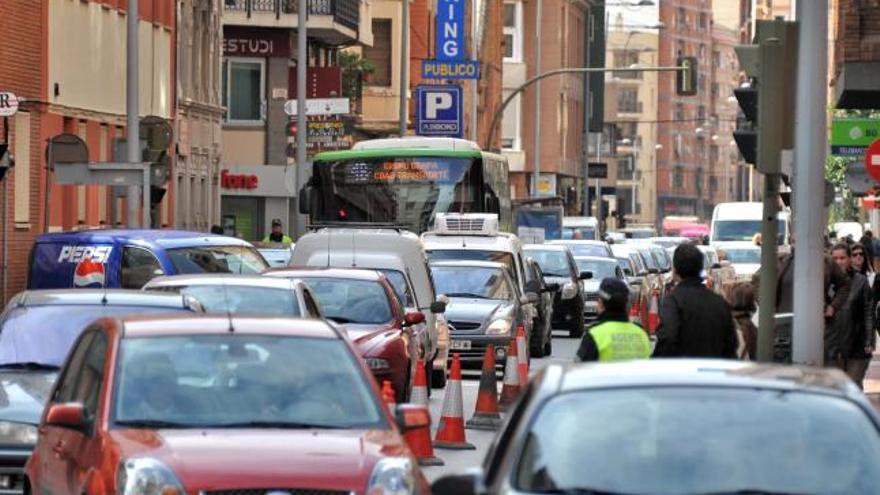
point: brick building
(50, 58)
(856, 49)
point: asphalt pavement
(460, 460)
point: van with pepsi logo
(128, 259)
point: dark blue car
(128, 259)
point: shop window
(380, 53)
(244, 90)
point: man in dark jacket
(849, 341)
(694, 321)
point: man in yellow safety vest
(612, 337)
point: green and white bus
(405, 182)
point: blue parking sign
(439, 110)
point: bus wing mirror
(305, 196)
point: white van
(586, 228)
(400, 256)
(739, 222)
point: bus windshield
(742, 230)
(405, 191)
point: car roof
(164, 238)
(220, 279)
(502, 241)
(603, 259)
(704, 372)
(577, 241)
(86, 297)
(469, 264)
(322, 272)
(152, 326)
(545, 247)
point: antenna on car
(226, 300)
(353, 251)
(329, 233)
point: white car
(745, 257)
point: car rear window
(700, 440)
(245, 300)
(44, 334)
(240, 380)
(473, 254)
(553, 263)
(351, 301)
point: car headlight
(12, 433)
(499, 327)
(377, 363)
(392, 476)
(146, 476)
(569, 290)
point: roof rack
(357, 225)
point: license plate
(460, 345)
(592, 306)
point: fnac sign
(238, 181)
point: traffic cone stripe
(419, 394)
(653, 313)
(523, 362)
(450, 432)
(419, 440)
(510, 390)
(486, 416)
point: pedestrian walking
(612, 337)
(861, 262)
(741, 297)
(849, 341)
(694, 320)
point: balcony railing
(344, 12)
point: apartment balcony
(334, 22)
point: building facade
(546, 134)
(684, 128)
(856, 53)
(725, 165)
(66, 59)
(258, 79)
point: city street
(458, 460)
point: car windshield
(578, 233)
(699, 440)
(624, 265)
(578, 249)
(742, 230)
(241, 381)
(44, 334)
(401, 288)
(474, 255)
(276, 257)
(242, 300)
(648, 259)
(662, 259)
(471, 281)
(217, 259)
(600, 268)
(743, 255)
(351, 301)
(553, 263)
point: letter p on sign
(436, 102)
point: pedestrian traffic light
(686, 77)
(766, 99)
(291, 128)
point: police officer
(277, 234)
(612, 337)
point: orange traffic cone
(635, 311)
(654, 313)
(419, 441)
(486, 415)
(510, 389)
(388, 395)
(419, 394)
(450, 433)
(522, 362)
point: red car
(365, 304)
(215, 405)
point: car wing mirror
(533, 286)
(468, 483)
(411, 417)
(68, 415)
(438, 307)
(585, 275)
(413, 318)
(529, 298)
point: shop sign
(238, 42)
(238, 181)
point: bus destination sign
(397, 171)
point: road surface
(459, 460)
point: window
(139, 266)
(701, 113)
(713, 153)
(704, 21)
(244, 89)
(716, 58)
(679, 112)
(513, 31)
(380, 53)
(510, 125)
(625, 59)
(628, 100)
(714, 90)
(627, 130)
(681, 17)
(702, 52)
(678, 178)
(91, 375)
(67, 383)
(713, 184)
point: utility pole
(809, 182)
(537, 120)
(302, 123)
(585, 140)
(404, 65)
(474, 82)
(133, 141)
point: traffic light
(291, 128)
(686, 78)
(767, 98)
(5, 160)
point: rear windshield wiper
(156, 423)
(466, 294)
(293, 425)
(28, 366)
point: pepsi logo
(88, 274)
(76, 254)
